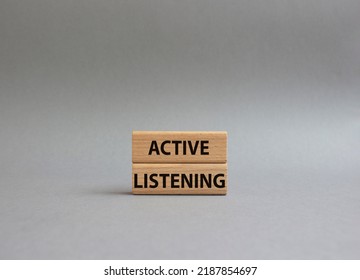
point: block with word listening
(179, 162)
(179, 178)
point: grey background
(282, 77)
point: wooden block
(179, 147)
(179, 178)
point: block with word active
(179, 162)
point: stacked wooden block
(175, 162)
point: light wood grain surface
(179, 178)
(179, 147)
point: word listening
(176, 180)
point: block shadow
(109, 191)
